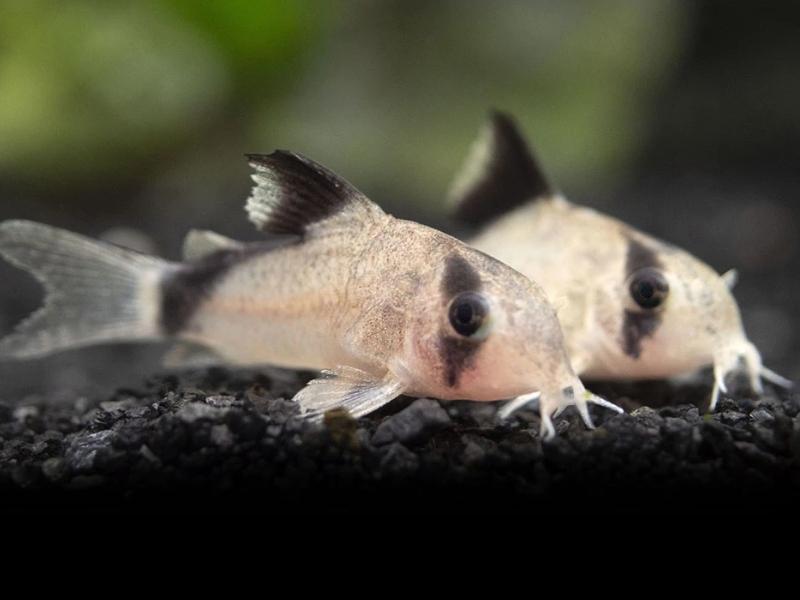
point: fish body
(362, 300)
(384, 306)
(606, 337)
(631, 306)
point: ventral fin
(295, 195)
(198, 244)
(354, 390)
(185, 355)
(499, 174)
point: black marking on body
(635, 328)
(306, 191)
(457, 353)
(512, 176)
(640, 257)
(637, 325)
(183, 291)
(459, 276)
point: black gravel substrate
(217, 439)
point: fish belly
(243, 339)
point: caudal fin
(95, 292)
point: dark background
(130, 122)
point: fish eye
(649, 288)
(468, 313)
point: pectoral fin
(354, 390)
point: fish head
(483, 331)
(668, 313)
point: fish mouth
(552, 404)
(739, 374)
(741, 382)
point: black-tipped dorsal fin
(499, 174)
(295, 195)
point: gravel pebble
(83, 450)
(239, 434)
(412, 424)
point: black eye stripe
(459, 276)
(636, 326)
(457, 352)
(640, 257)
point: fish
(381, 306)
(632, 307)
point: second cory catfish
(391, 307)
(632, 306)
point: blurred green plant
(263, 43)
(407, 84)
(96, 88)
(388, 92)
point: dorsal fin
(199, 243)
(295, 195)
(499, 174)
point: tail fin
(95, 292)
